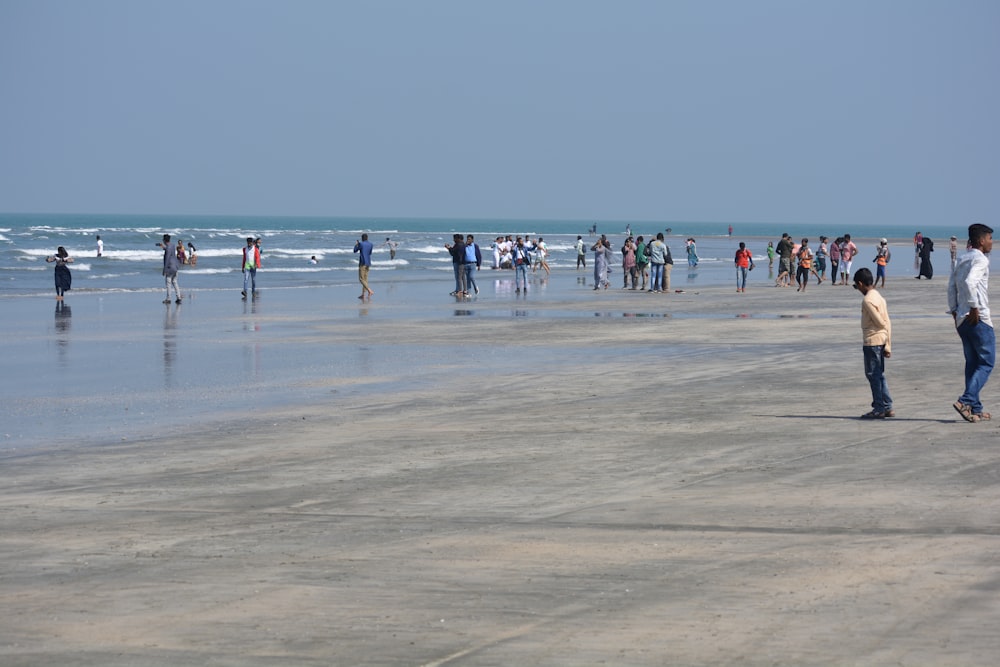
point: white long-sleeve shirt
(968, 287)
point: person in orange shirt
(805, 257)
(882, 255)
(744, 262)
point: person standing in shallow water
(364, 248)
(64, 279)
(392, 245)
(251, 262)
(170, 268)
(969, 305)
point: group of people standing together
(504, 250)
(649, 262)
(800, 260)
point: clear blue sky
(855, 111)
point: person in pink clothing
(835, 258)
(847, 252)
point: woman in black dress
(926, 248)
(64, 279)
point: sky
(853, 111)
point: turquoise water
(132, 262)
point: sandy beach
(571, 478)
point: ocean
(132, 262)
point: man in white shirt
(968, 303)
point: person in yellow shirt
(876, 332)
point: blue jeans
(655, 276)
(521, 276)
(875, 372)
(470, 273)
(741, 277)
(459, 277)
(979, 343)
(250, 279)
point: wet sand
(604, 478)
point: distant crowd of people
(649, 263)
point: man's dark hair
(976, 234)
(864, 276)
(166, 237)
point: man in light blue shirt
(968, 303)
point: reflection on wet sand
(63, 325)
(169, 343)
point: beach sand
(574, 478)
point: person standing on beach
(64, 278)
(192, 254)
(835, 259)
(100, 246)
(473, 262)
(805, 257)
(969, 305)
(521, 259)
(581, 253)
(602, 262)
(821, 253)
(641, 262)
(926, 268)
(364, 248)
(953, 249)
(657, 259)
(170, 267)
(251, 262)
(770, 254)
(881, 260)
(784, 250)
(847, 252)
(497, 248)
(457, 250)
(876, 333)
(629, 264)
(743, 260)
(668, 265)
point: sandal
(964, 410)
(982, 416)
(873, 415)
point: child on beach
(876, 331)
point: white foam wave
(205, 272)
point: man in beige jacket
(876, 331)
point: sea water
(132, 262)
